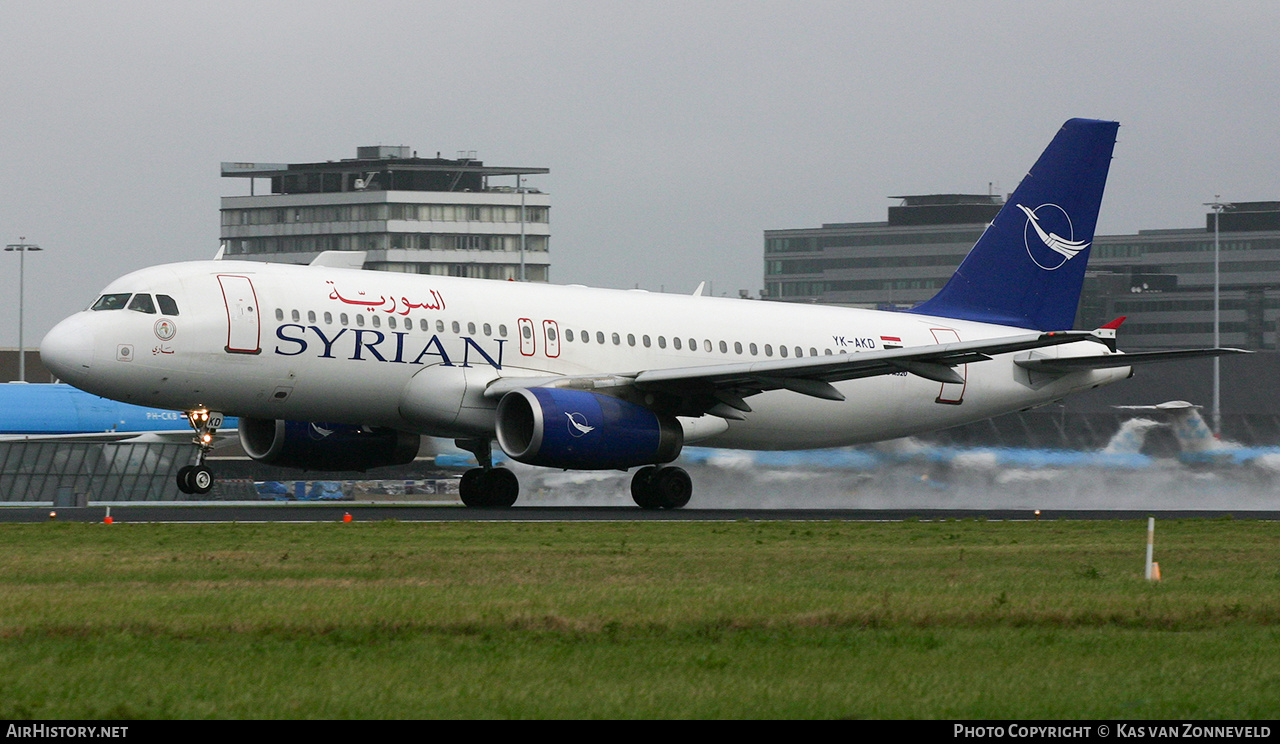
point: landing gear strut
(198, 478)
(486, 486)
(661, 487)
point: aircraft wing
(101, 436)
(720, 389)
(1075, 364)
(174, 436)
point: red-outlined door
(551, 338)
(952, 393)
(528, 344)
(244, 326)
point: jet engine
(580, 430)
(314, 446)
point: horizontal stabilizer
(1105, 361)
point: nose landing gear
(198, 478)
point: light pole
(22, 247)
(1217, 207)
(520, 185)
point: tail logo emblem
(1048, 249)
(578, 424)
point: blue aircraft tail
(1027, 268)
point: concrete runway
(285, 512)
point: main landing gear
(661, 487)
(486, 486)
(652, 487)
(198, 478)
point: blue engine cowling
(579, 430)
(311, 446)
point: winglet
(698, 292)
(340, 259)
(1107, 333)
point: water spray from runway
(974, 482)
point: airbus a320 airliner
(337, 369)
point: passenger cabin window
(111, 302)
(143, 304)
(167, 304)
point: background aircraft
(37, 411)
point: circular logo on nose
(165, 329)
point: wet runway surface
(336, 512)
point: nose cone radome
(67, 350)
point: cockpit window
(167, 305)
(111, 302)
(143, 304)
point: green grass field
(954, 619)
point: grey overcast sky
(675, 132)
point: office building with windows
(1161, 280)
(437, 215)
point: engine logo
(578, 424)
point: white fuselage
(338, 345)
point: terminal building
(1161, 280)
(437, 215)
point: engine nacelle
(311, 446)
(580, 430)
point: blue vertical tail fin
(1027, 268)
